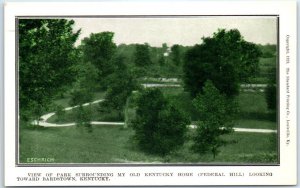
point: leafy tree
(142, 55)
(164, 47)
(99, 49)
(85, 84)
(226, 59)
(161, 60)
(159, 126)
(217, 114)
(176, 54)
(122, 83)
(46, 55)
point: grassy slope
(112, 144)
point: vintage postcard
(150, 94)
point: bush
(160, 127)
(83, 117)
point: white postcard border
(284, 174)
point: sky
(186, 31)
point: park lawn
(254, 112)
(114, 144)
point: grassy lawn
(113, 144)
(254, 112)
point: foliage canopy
(226, 59)
(46, 56)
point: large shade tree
(225, 58)
(46, 56)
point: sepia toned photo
(148, 90)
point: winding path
(43, 122)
